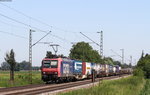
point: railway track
(20, 87)
(43, 88)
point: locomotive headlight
(55, 73)
(44, 72)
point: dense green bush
(144, 64)
(146, 89)
(138, 72)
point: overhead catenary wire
(35, 19)
(21, 22)
(45, 42)
(13, 25)
(116, 53)
(39, 22)
(13, 34)
(41, 39)
(90, 39)
(24, 14)
(30, 26)
(60, 38)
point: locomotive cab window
(50, 64)
(54, 64)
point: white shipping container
(119, 68)
(106, 68)
(98, 68)
(88, 69)
(114, 69)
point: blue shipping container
(77, 67)
(67, 68)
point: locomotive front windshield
(50, 64)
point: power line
(19, 36)
(39, 22)
(60, 38)
(41, 39)
(45, 42)
(116, 53)
(89, 39)
(64, 48)
(14, 20)
(13, 34)
(85, 42)
(31, 26)
(21, 23)
(13, 25)
(24, 14)
(34, 18)
(120, 55)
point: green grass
(127, 86)
(146, 89)
(21, 78)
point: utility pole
(122, 55)
(30, 55)
(55, 48)
(101, 43)
(135, 62)
(130, 61)
(30, 52)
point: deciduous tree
(10, 59)
(144, 64)
(83, 51)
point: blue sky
(125, 24)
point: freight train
(64, 70)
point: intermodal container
(77, 67)
(67, 68)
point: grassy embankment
(146, 89)
(126, 86)
(21, 78)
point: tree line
(143, 66)
(19, 66)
